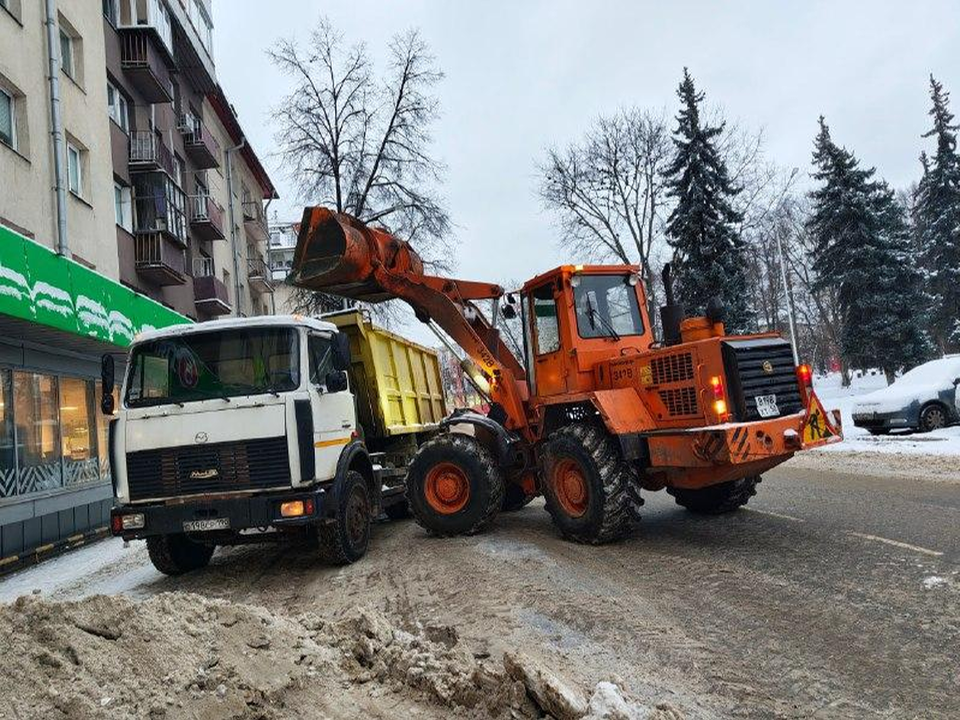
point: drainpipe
(273, 292)
(233, 225)
(56, 125)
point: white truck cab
(239, 429)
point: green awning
(40, 286)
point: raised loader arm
(338, 254)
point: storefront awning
(38, 286)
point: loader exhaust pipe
(671, 314)
(338, 254)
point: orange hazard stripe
(331, 443)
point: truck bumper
(218, 515)
(700, 457)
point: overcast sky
(520, 76)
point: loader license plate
(206, 525)
(767, 406)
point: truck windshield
(200, 366)
(606, 306)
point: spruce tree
(862, 250)
(708, 252)
(937, 222)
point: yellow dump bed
(395, 381)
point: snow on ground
(828, 388)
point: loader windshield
(607, 306)
(224, 364)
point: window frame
(13, 119)
(123, 200)
(78, 191)
(66, 41)
(602, 332)
(118, 105)
(539, 351)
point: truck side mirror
(336, 381)
(341, 351)
(107, 383)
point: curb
(13, 563)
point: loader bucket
(339, 255)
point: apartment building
(129, 198)
(283, 241)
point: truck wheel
(515, 498)
(586, 484)
(454, 486)
(933, 417)
(345, 539)
(717, 499)
(178, 554)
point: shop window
(8, 445)
(78, 436)
(37, 432)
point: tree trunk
(844, 373)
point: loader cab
(577, 316)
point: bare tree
(607, 190)
(361, 143)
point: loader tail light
(719, 398)
(805, 378)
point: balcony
(149, 154)
(255, 220)
(148, 17)
(161, 212)
(145, 66)
(206, 218)
(199, 142)
(209, 293)
(258, 274)
(158, 260)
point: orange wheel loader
(598, 409)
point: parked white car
(925, 398)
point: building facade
(129, 198)
(283, 241)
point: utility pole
(791, 315)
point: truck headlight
(136, 521)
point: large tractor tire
(454, 485)
(346, 538)
(586, 483)
(178, 554)
(717, 499)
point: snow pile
(179, 655)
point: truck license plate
(206, 525)
(767, 406)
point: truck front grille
(214, 468)
(680, 401)
(760, 367)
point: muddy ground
(835, 595)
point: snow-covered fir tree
(937, 222)
(862, 250)
(708, 252)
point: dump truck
(256, 429)
(597, 410)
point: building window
(123, 203)
(66, 53)
(178, 170)
(38, 442)
(75, 170)
(8, 440)
(78, 436)
(111, 11)
(117, 107)
(8, 119)
(71, 51)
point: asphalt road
(834, 595)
